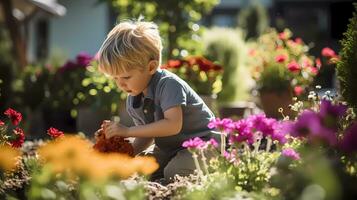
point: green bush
(227, 47)
(254, 19)
(347, 66)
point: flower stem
(269, 143)
(195, 159)
(223, 143)
(204, 160)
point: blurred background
(48, 47)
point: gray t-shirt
(166, 90)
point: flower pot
(271, 102)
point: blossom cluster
(116, 144)
(279, 50)
(203, 75)
(72, 157)
(250, 129)
(9, 132)
(82, 60)
(322, 126)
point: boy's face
(134, 81)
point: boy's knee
(182, 164)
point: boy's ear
(153, 65)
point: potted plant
(282, 67)
(203, 75)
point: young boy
(163, 107)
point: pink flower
(212, 142)
(225, 125)
(280, 58)
(54, 133)
(298, 40)
(15, 116)
(328, 52)
(252, 52)
(313, 70)
(20, 138)
(291, 153)
(298, 90)
(293, 66)
(2, 123)
(282, 36)
(195, 143)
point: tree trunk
(19, 47)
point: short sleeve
(172, 93)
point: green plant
(254, 20)
(228, 48)
(346, 68)
(289, 60)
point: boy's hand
(115, 128)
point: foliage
(228, 48)
(290, 59)
(7, 66)
(254, 20)
(100, 92)
(346, 68)
(201, 74)
(10, 133)
(327, 147)
(177, 19)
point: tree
(176, 18)
(347, 66)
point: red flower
(2, 123)
(298, 40)
(114, 144)
(15, 116)
(54, 133)
(314, 70)
(298, 90)
(318, 62)
(280, 58)
(293, 66)
(328, 52)
(282, 36)
(20, 138)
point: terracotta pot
(272, 101)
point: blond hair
(130, 45)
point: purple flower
(279, 133)
(225, 125)
(330, 114)
(83, 59)
(242, 132)
(349, 141)
(291, 153)
(265, 125)
(309, 125)
(195, 143)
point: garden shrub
(254, 19)
(228, 48)
(347, 66)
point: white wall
(83, 28)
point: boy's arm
(170, 125)
(140, 144)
